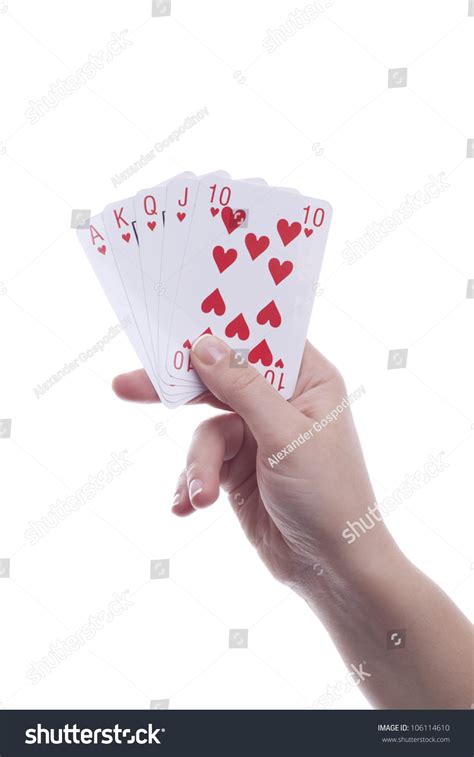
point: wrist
(351, 571)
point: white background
(326, 84)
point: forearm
(360, 603)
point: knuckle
(338, 382)
(202, 429)
(333, 377)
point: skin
(294, 513)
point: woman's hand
(296, 477)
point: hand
(295, 475)
(293, 510)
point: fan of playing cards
(209, 254)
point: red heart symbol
(181, 216)
(261, 352)
(256, 245)
(126, 237)
(223, 258)
(269, 313)
(279, 364)
(279, 271)
(232, 218)
(308, 232)
(188, 344)
(238, 327)
(151, 225)
(287, 231)
(214, 211)
(213, 302)
(102, 249)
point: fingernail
(195, 487)
(208, 349)
(176, 498)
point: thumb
(243, 388)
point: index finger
(135, 386)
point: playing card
(149, 213)
(249, 276)
(99, 252)
(119, 222)
(149, 224)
